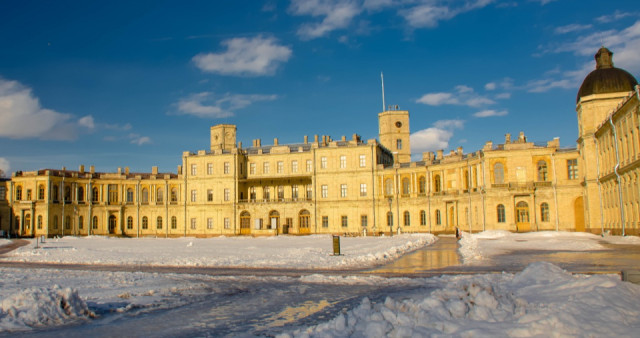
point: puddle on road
(442, 254)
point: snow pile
(34, 307)
(542, 300)
(4, 241)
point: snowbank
(35, 307)
(542, 300)
(303, 252)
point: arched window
(160, 196)
(422, 183)
(55, 194)
(94, 194)
(80, 222)
(438, 218)
(94, 222)
(498, 173)
(145, 195)
(55, 222)
(174, 222)
(407, 218)
(522, 212)
(80, 194)
(39, 221)
(466, 180)
(145, 223)
(67, 194)
(129, 195)
(436, 183)
(544, 212)
(19, 193)
(41, 192)
(542, 171)
(388, 187)
(423, 217)
(406, 186)
(174, 195)
(304, 217)
(389, 218)
(501, 215)
(67, 222)
(159, 223)
(129, 222)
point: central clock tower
(394, 133)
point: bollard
(42, 239)
(336, 245)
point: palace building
(359, 187)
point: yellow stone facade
(351, 186)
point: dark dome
(606, 78)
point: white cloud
(543, 2)
(208, 105)
(87, 122)
(428, 14)
(617, 15)
(5, 167)
(490, 86)
(490, 112)
(257, 56)
(436, 137)
(139, 140)
(463, 96)
(22, 116)
(336, 15)
(571, 28)
(503, 96)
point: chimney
(344, 138)
(126, 170)
(179, 170)
(240, 145)
(427, 156)
(306, 139)
(440, 154)
(315, 138)
(275, 141)
(64, 168)
(507, 138)
(488, 146)
(119, 170)
(459, 150)
(81, 169)
(258, 143)
(522, 138)
(154, 170)
(92, 169)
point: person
(458, 233)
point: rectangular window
(266, 193)
(324, 191)
(344, 221)
(226, 167)
(325, 221)
(209, 168)
(363, 161)
(194, 170)
(343, 190)
(343, 162)
(280, 192)
(364, 221)
(226, 194)
(309, 192)
(265, 168)
(252, 168)
(194, 195)
(3, 193)
(280, 167)
(363, 189)
(193, 224)
(323, 162)
(227, 224)
(28, 194)
(399, 144)
(294, 166)
(113, 193)
(210, 195)
(294, 191)
(174, 222)
(309, 166)
(572, 169)
(209, 223)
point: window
(113, 193)
(160, 195)
(40, 192)
(194, 195)
(3, 193)
(309, 192)
(28, 194)
(406, 186)
(294, 191)
(389, 219)
(55, 222)
(252, 168)
(95, 194)
(501, 215)
(344, 221)
(94, 222)
(226, 194)
(67, 193)
(422, 183)
(145, 223)
(209, 168)
(388, 187)
(193, 224)
(325, 221)
(407, 218)
(227, 224)
(542, 171)
(294, 166)
(324, 191)
(209, 223)
(323, 162)
(80, 194)
(399, 144)
(252, 193)
(226, 168)
(363, 189)
(174, 195)
(266, 193)
(436, 183)
(54, 194)
(280, 192)
(544, 212)
(174, 222)
(39, 223)
(363, 161)
(265, 168)
(194, 169)
(129, 222)
(343, 162)
(18, 193)
(309, 166)
(364, 221)
(129, 195)
(498, 173)
(80, 222)
(423, 217)
(159, 223)
(572, 169)
(438, 217)
(209, 195)
(67, 222)
(145, 196)
(280, 167)
(343, 190)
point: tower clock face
(398, 124)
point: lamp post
(390, 217)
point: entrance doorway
(304, 217)
(245, 223)
(112, 225)
(522, 217)
(578, 211)
(274, 220)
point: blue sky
(136, 83)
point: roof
(606, 78)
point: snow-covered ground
(301, 252)
(4, 241)
(477, 248)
